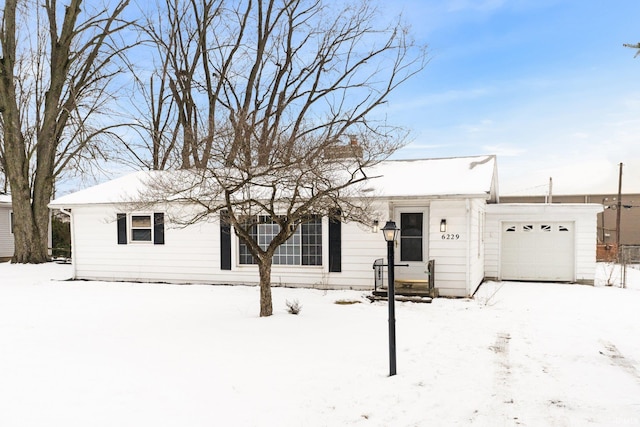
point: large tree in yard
(278, 104)
(57, 64)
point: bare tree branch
(633, 46)
(274, 102)
(56, 77)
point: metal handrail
(378, 272)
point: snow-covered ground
(124, 354)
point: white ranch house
(448, 211)
(6, 227)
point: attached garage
(534, 242)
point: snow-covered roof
(119, 190)
(469, 176)
(473, 176)
(5, 199)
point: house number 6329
(450, 236)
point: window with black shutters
(304, 247)
(140, 228)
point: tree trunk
(266, 304)
(30, 234)
(30, 220)
(30, 231)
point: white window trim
(292, 267)
(130, 229)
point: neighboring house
(447, 210)
(6, 228)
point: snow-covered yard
(125, 354)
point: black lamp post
(390, 232)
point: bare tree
(633, 46)
(172, 126)
(55, 79)
(287, 90)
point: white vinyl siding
(464, 254)
(191, 255)
(98, 256)
(451, 249)
(458, 252)
(477, 208)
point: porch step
(410, 292)
(382, 296)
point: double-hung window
(304, 247)
(141, 228)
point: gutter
(468, 266)
(483, 196)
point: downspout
(468, 284)
(73, 241)
(50, 236)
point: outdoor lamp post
(390, 232)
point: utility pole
(619, 210)
(550, 190)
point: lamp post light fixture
(390, 233)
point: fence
(606, 252)
(628, 255)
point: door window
(411, 237)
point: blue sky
(544, 84)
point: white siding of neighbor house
(6, 237)
(583, 217)
(459, 265)
(192, 255)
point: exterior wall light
(443, 225)
(376, 226)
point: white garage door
(542, 251)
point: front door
(411, 247)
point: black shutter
(158, 228)
(122, 229)
(335, 243)
(225, 241)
